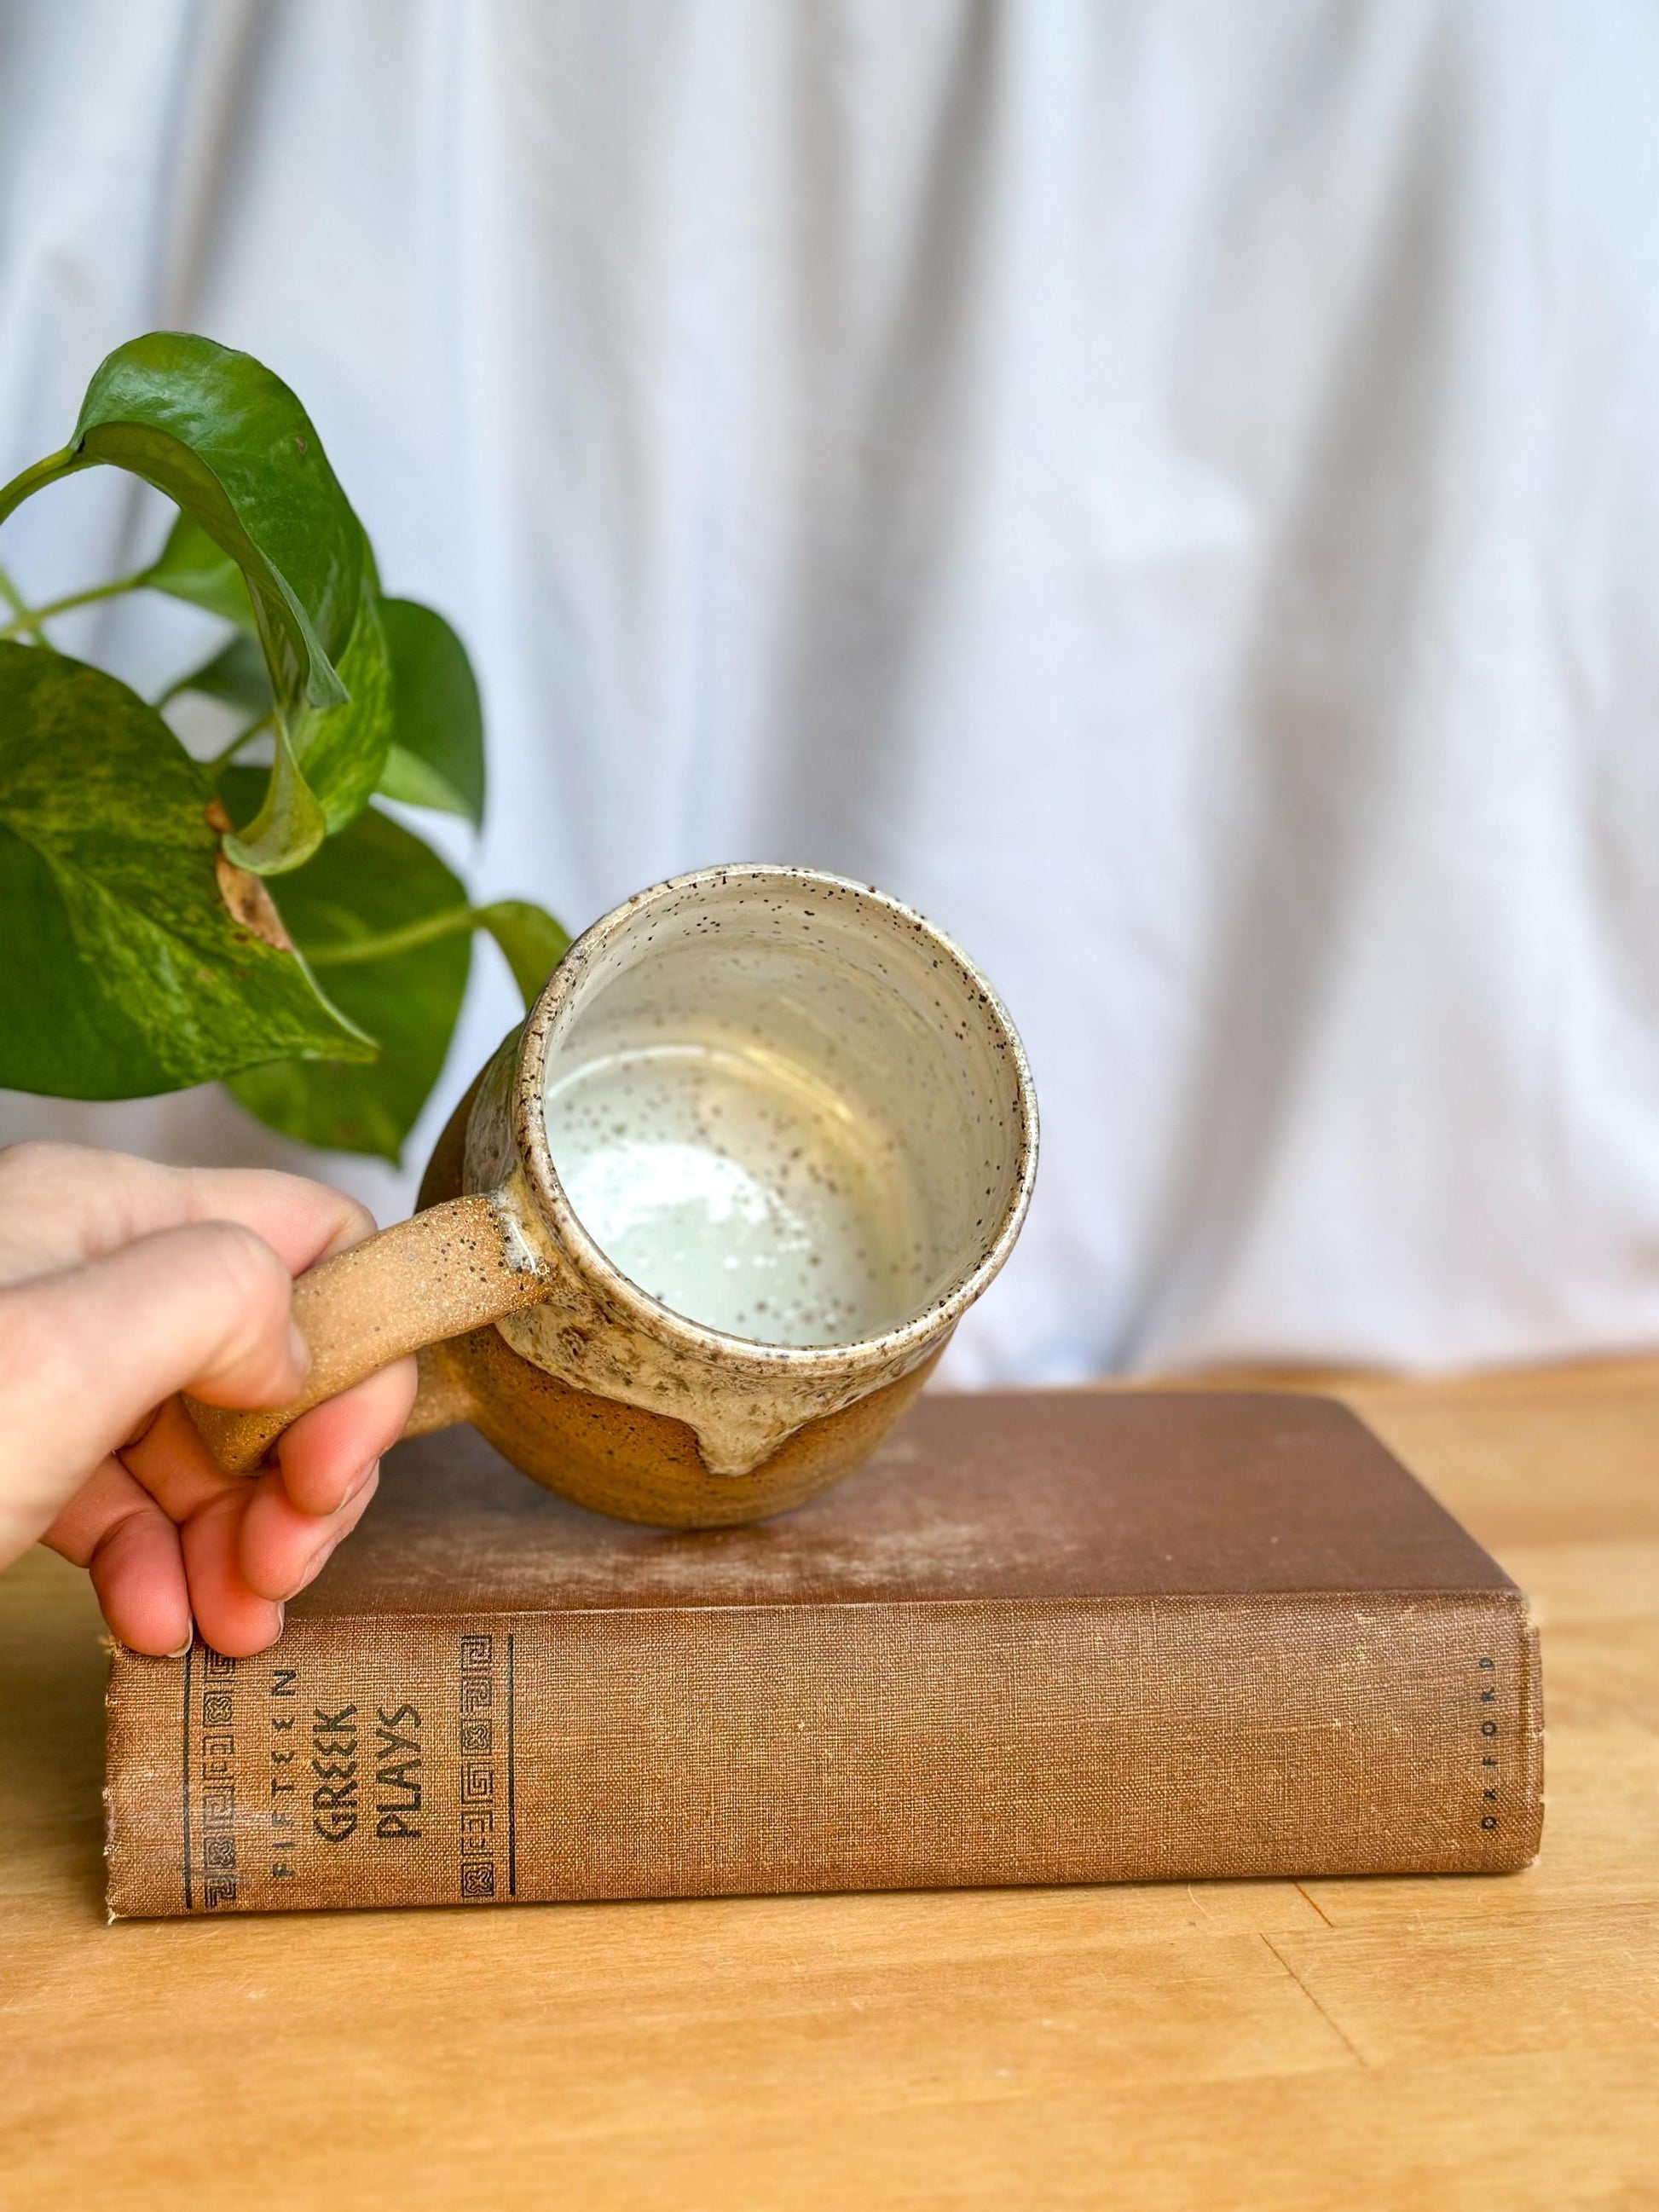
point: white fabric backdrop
(1171, 489)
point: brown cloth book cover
(1056, 1636)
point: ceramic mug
(704, 1223)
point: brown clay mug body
(705, 1223)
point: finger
(327, 1452)
(231, 1618)
(84, 1354)
(324, 1457)
(114, 1526)
(282, 1550)
(175, 1466)
(61, 1204)
(138, 1572)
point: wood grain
(1410, 2044)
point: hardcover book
(1040, 1638)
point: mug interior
(786, 1107)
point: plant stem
(31, 617)
(391, 941)
(230, 751)
(9, 591)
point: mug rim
(914, 1337)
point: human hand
(121, 1283)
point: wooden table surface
(1420, 2044)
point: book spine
(694, 1753)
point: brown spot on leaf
(247, 901)
(299, 443)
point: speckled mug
(581, 1378)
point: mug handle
(453, 1268)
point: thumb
(86, 1352)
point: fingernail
(299, 1349)
(188, 1643)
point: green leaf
(193, 568)
(236, 674)
(230, 444)
(289, 825)
(374, 877)
(533, 942)
(125, 971)
(341, 749)
(436, 757)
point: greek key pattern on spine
(477, 1744)
(216, 1781)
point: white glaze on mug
(837, 996)
(737, 1190)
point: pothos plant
(167, 921)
